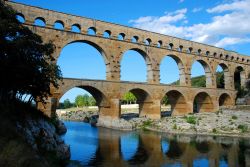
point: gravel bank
(226, 122)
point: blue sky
(223, 23)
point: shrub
(191, 119)
(234, 117)
(214, 130)
(243, 128)
(175, 126)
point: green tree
(165, 100)
(66, 103)
(220, 80)
(25, 61)
(92, 101)
(129, 97)
(79, 101)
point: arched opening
(133, 66)
(83, 98)
(59, 25)
(76, 28)
(220, 75)
(107, 34)
(139, 105)
(171, 46)
(147, 41)
(92, 31)
(80, 59)
(238, 75)
(202, 103)
(190, 49)
(135, 39)
(207, 53)
(159, 44)
(121, 36)
(171, 70)
(20, 17)
(180, 48)
(199, 51)
(173, 103)
(39, 21)
(201, 74)
(225, 100)
(129, 106)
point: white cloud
(180, 1)
(195, 10)
(224, 29)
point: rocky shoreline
(232, 122)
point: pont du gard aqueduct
(108, 93)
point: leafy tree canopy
(25, 61)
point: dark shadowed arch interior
(202, 103)
(238, 77)
(222, 76)
(79, 59)
(225, 100)
(134, 65)
(176, 101)
(203, 147)
(172, 70)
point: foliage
(85, 100)
(25, 66)
(243, 128)
(174, 126)
(165, 100)
(199, 81)
(234, 117)
(214, 130)
(66, 103)
(129, 98)
(220, 80)
(190, 119)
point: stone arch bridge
(112, 40)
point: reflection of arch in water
(203, 147)
(140, 156)
(128, 145)
(176, 149)
(97, 159)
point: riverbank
(226, 122)
(28, 138)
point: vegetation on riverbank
(27, 137)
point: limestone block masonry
(108, 93)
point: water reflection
(104, 147)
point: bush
(234, 117)
(243, 128)
(191, 119)
(175, 126)
(214, 130)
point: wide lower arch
(101, 99)
(148, 63)
(180, 67)
(92, 44)
(225, 100)
(203, 103)
(144, 101)
(178, 102)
